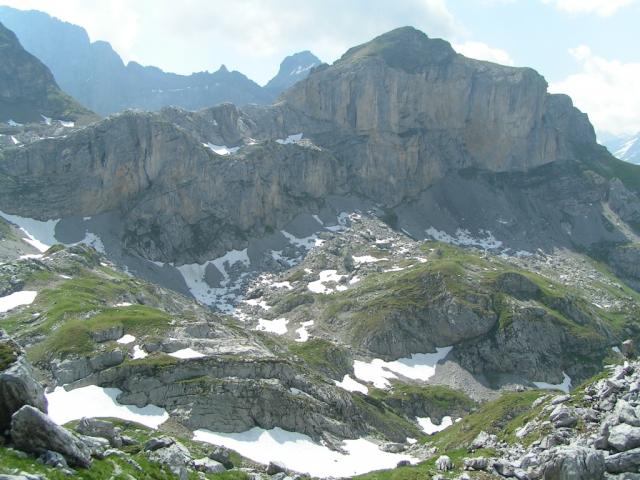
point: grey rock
(108, 334)
(624, 437)
(403, 463)
(158, 442)
(33, 431)
(483, 440)
(18, 386)
(476, 463)
(575, 463)
(21, 476)
(174, 455)
(68, 371)
(207, 465)
(275, 467)
(563, 416)
(101, 428)
(504, 468)
(223, 456)
(53, 459)
(628, 461)
(628, 348)
(444, 463)
(393, 447)
(560, 399)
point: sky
(585, 48)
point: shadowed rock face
(391, 120)
(27, 87)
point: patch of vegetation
(288, 302)
(8, 355)
(323, 356)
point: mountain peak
(293, 69)
(406, 48)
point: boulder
(444, 463)
(275, 467)
(624, 437)
(562, 416)
(68, 371)
(575, 463)
(108, 334)
(53, 459)
(175, 455)
(223, 456)
(628, 348)
(477, 463)
(33, 431)
(483, 440)
(157, 443)
(206, 465)
(623, 462)
(94, 427)
(18, 386)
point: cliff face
(28, 89)
(395, 120)
(420, 110)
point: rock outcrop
(18, 386)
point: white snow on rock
(430, 428)
(286, 285)
(298, 452)
(30, 255)
(11, 123)
(565, 386)
(277, 326)
(94, 401)
(46, 120)
(221, 149)
(40, 235)
(421, 366)
(258, 302)
(67, 124)
(290, 139)
(94, 241)
(15, 140)
(123, 304)
(16, 299)
(138, 352)
(326, 276)
(368, 259)
(186, 353)
(125, 339)
(351, 385)
(464, 238)
(306, 242)
(303, 334)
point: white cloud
(482, 51)
(604, 8)
(252, 36)
(606, 89)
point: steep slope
(96, 75)
(625, 148)
(28, 90)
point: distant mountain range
(625, 147)
(94, 74)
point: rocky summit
(413, 265)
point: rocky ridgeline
(592, 433)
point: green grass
(322, 355)
(433, 398)
(8, 355)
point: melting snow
(430, 428)
(46, 120)
(286, 285)
(277, 326)
(67, 124)
(40, 235)
(15, 140)
(94, 401)
(351, 385)
(187, 353)
(368, 259)
(565, 386)
(306, 242)
(303, 334)
(123, 304)
(125, 339)
(11, 123)
(326, 276)
(138, 352)
(421, 366)
(9, 302)
(221, 149)
(463, 237)
(259, 302)
(300, 453)
(290, 139)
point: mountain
(408, 237)
(28, 91)
(292, 69)
(94, 73)
(625, 147)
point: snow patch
(351, 385)
(430, 428)
(16, 299)
(464, 238)
(67, 124)
(277, 326)
(39, 234)
(126, 339)
(46, 120)
(290, 139)
(565, 386)
(326, 276)
(221, 149)
(123, 304)
(306, 242)
(368, 259)
(139, 352)
(300, 453)
(94, 401)
(303, 334)
(186, 353)
(420, 366)
(15, 140)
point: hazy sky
(586, 48)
